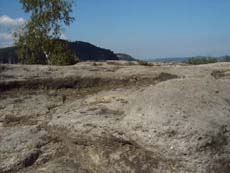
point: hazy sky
(142, 28)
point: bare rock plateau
(115, 116)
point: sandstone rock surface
(115, 117)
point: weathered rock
(20, 147)
(115, 117)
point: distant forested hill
(8, 55)
(126, 57)
(225, 58)
(85, 51)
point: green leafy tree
(37, 43)
(61, 53)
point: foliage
(61, 53)
(202, 60)
(144, 63)
(37, 42)
(31, 48)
